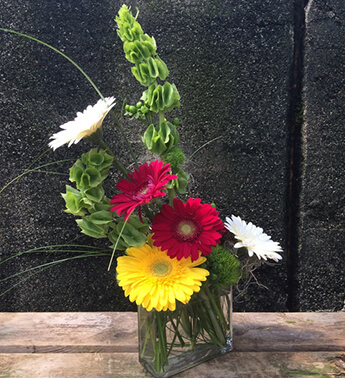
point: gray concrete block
(321, 260)
(231, 62)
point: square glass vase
(173, 341)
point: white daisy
(83, 125)
(253, 238)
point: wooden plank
(117, 332)
(231, 365)
(68, 332)
(310, 331)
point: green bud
(144, 109)
(180, 184)
(98, 159)
(139, 105)
(76, 171)
(176, 121)
(132, 109)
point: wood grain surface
(104, 344)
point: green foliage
(160, 140)
(91, 170)
(179, 184)
(139, 111)
(225, 268)
(147, 72)
(129, 28)
(140, 49)
(88, 200)
(74, 201)
(96, 225)
(133, 234)
(175, 157)
(160, 98)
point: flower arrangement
(176, 259)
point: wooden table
(104, 344)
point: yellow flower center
(186, 229)
(161, 268)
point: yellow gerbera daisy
(154, 280)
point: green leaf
(101, 217)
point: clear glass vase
(172, 341)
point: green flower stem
(215, 321)
(160, 117)
(216, 305)
(31, 170)
(176, 333)
(172, 195)
(148, 328)
(161, 355)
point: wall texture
(233, 64)
(320, 266)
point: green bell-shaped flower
(98, 159)
(147, 72)
(160, 98)
(74, 201)
(133, 234)
(90, 228)
(129, 28)
(160, 140)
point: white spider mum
(85, 124)
(253, 239)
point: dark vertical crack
(295, 120)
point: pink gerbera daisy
(144, 184)
(187, 228)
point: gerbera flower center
(186, 229)
(141, 190)
(161, 268)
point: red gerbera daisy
(144, 184)
(187, 228)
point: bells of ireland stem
(161, 139)
(90, 171)
(128, 28)
(140, 49)
(88, 200)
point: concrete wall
(320, 273)
(233, 63)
